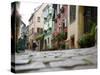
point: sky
(26, 10)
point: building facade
(60, 24)
(55, 26)
(36, 26)
(79, 23)
(48, 26)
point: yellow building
(79, 18)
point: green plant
(87, 40)
(93, 30)
(62, 46)
(60, 36)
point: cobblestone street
(34, 61)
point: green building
(48, 26)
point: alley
(53, 37)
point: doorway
(72, 41)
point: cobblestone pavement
(73, 59)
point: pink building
(61, 19)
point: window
(65, 21)
(72, 13)
(38, 19)
(39, 30)
(90, 16)
(63, 26)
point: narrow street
(59, 36)
(34, 61)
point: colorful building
(79, 23)
(48, 25)
(36, 26)
(60, 25)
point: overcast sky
(26, 9)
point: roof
(35, 12)
(23, 23)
